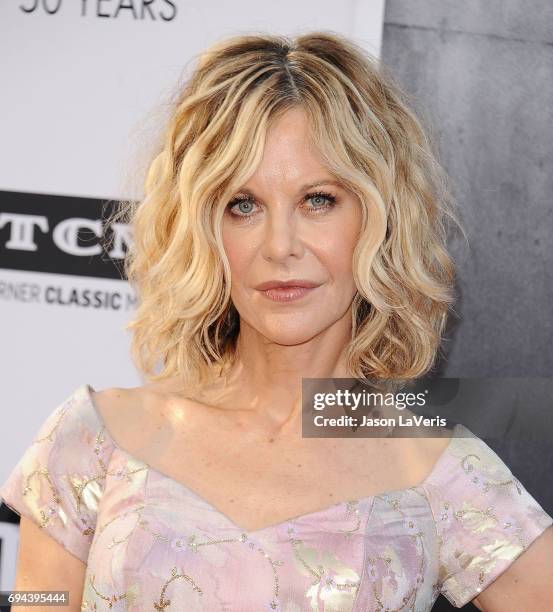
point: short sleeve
(59, 480)
(484, 517)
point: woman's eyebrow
(303, 188)
(321, 182)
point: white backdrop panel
(82, 96)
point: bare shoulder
(137, 417)
(432, 444)
(436, 440)
(427, 443)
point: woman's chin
(291, 335)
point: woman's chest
(257, 481)
(261, 485)
(159, 545)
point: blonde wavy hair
(360, 120)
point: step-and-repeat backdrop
(84, 87)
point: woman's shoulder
(423, 445)
(136, 418)
(470, 481)
(465, 454)
(60, 477)
(484, 516)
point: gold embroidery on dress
(273, 605)
(52, 511)
(487, 484)
(80, 486)
(193, 544)
(49, 435)
(88, 487)
(415, 533)
(114, 542)
(118, 516)
(163, 603)
(337, 595)
(479, 520)
(351, 506)
(111, 599)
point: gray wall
(481, 73)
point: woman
(293, 226)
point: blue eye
(241, 202)
(320, 195)
(242, 206)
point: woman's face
(290, 222)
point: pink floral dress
(150, 543)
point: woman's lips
(287, 294)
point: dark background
(481, 74)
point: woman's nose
(281, 237)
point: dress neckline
(456, 432)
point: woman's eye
(321, 200)
(242, 206)
(318, 200)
